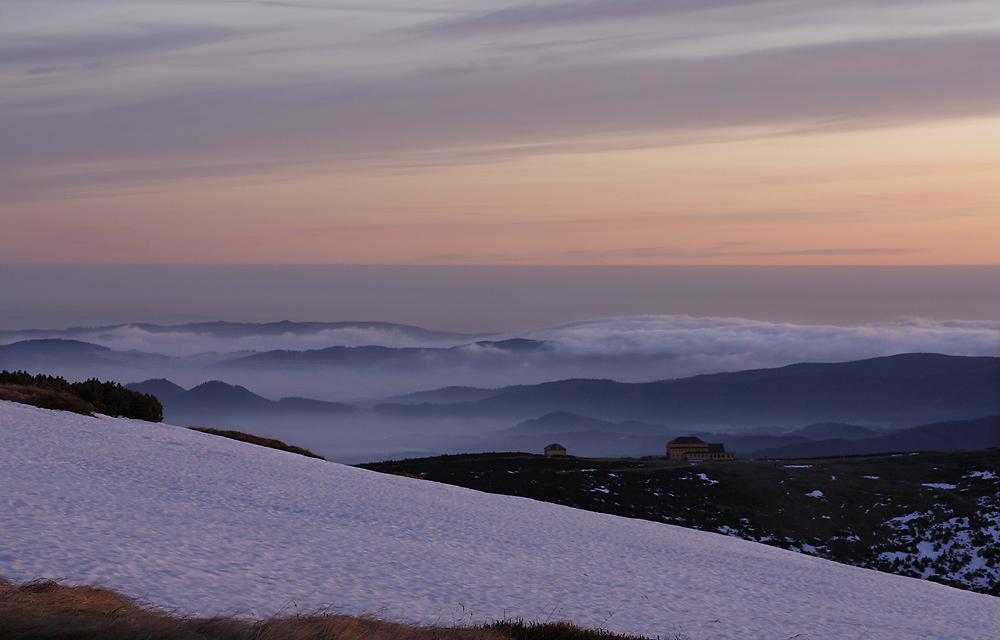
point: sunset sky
(438, 132)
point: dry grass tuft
(45, 398)
(520, 630)
(46, 610)
(270, 443)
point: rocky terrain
(929, 515)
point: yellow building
(555, 449)
(690, 448)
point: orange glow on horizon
(918, 195)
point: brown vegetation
(271, 443)
(46, 398)
(55, 392)
(47, 610)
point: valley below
(930, 515)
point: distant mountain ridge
(374, 355)
(754, 411)
(41, 351)
(980, 433)
(162, 388)
(214, 398)
(29, 354)
(239, 329)
(894, 391)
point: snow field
(206, 525)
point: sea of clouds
(700, 345)
(184, 341)
(628, 349)
(689, 344)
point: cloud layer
(631, 349)
(162, 132)
(689, 345)
(637, 69)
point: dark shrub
(51, 392)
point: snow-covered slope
(208, 525)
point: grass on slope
(47, 610)
(270, 443)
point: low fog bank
(234, 338)
(365, 437)
(344, 362)
(707, 345)
(369, 365)
(371, 437)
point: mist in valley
(383, 390)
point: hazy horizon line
(490, 298)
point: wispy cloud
(520, 110)
(589, 255)
(568, 13)
(846, 251)
(106, 107)
(143, 40)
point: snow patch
(982, 475)
(206, 525)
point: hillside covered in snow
(206, 525)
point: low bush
(52, 392)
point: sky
(494, 299)
(447, 132)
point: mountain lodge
(689, 448)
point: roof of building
(686, 440)
(555, 447)
(716, 448)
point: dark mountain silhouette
(746, 445)
(831, 430)
(893, 392)
(363, 356)
(512, 344)
(243, 329)
(215, 398)
(50, 349)
(904, 365)
(162, 388)
(601, 438)
(565, 422)
(446, 395)
(955, 435)
(342, 356)
(248, 329)
(308, 405)
(37, 354)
